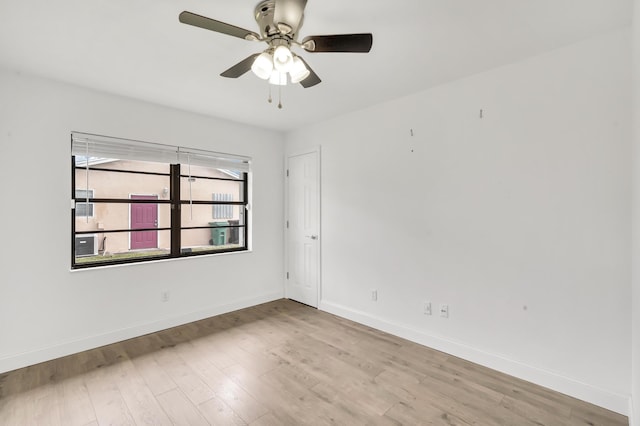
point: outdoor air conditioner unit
(85, 245)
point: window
(84, 209)
(154, 201)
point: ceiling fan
(279, 22)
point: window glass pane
(214, 238)
(202, 189)
(202, 215)
(114, 183)
(122, 216)
(105, 247)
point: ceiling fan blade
(353, 43)
(312, 79)
(217, 26)
(290, 13)
(241, 67)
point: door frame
(131, 195)
(317, 150)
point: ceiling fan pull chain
(270, 100)
(279, 96)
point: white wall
(635, 377)
(45, 309)
(520, 221)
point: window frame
(175, 227)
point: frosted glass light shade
(298, 71)
(263, 66)
(278, 78)
(282, 59)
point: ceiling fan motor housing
(283, 22)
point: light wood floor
(281, 363)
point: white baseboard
(568, 386)
(633, 421)
(15, 361)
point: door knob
(313, 237)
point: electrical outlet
(164, 296)
(427, 308)
(374, 295)
(444, 311)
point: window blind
(96, 146)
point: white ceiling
(137, 48)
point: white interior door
(303, 228)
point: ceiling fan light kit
(282, 59)
(279, 22)
(298, 71)
(263, 66)
(278, 78)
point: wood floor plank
(213, 344)
(14, 410)
(422, 415)
(46, 410)
(141, 354)
(279, 363)
(297, 404)
(279, 402)
(154, 376)
(223, 388)
(218, 412)
(138, 396)
(509, 385)
(583, 414)
(187, 380)
(268, 419)
(472, 409)
(556, 404)
(241, 402)
(398, 383)
(296, 380)
(107, 401)
(227, 390)
(260, 362)
(76, 407)
(532, 413)
(180, 409)
(370, 405)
